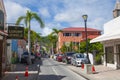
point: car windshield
(70, 54)
(80, 56)
(26, 53)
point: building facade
(3, 39)
(111, 40)
(75, 35)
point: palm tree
(27, 20)
(56, 32)
(52, 39)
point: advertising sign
(15, 32)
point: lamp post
(85, 20)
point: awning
(106, 37)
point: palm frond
(34, 15)
(56, 31)
(25, 20)
(20, 19)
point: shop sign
(15, 32)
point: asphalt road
(53, 70)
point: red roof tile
(78, 29)
(92, 36)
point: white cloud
(63, 13)
(44, 12)
(46, 31)
(97, 12)
(14, 11)
(68, 16)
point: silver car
(77, 59)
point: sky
(61, 14)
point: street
(53, 70)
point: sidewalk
(102, 73)
(20, 72)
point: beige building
(111, 40)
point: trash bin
(88, 68)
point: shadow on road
(32, 67)
(20, 71)
(51, 77)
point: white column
(104, 62)
(115, 57)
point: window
(76, 34)
(109, 54)
(66, 34)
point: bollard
(93, 69)
(26, 73)
(16, 78)
(82, 65)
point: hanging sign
(15, 32)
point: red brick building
(75, 35)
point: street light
(85, 20)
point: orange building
(75, 35)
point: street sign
(15, 32)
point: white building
(111, 40)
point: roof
(106, 37)
(110, 32)
(79, 29)
(91, 37)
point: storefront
(111, 42)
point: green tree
(64, 49)
(55, 33)
(91, 47)
(52, 39)
(27, 20)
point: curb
(82, 74)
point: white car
(55, 56)
(77, 59)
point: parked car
(59, 57)
(55, 56)
(67, 57)
(77, 59)
(24, 58)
